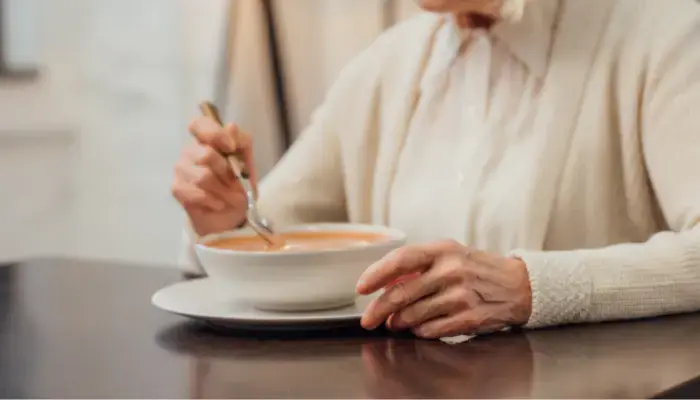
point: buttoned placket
(475, 69)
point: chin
(485, 7)
(433, 5)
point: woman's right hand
(205, 185)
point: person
(545, 166)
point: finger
(206, 156)
(429, 308)
(404, 261)
(242, 150)
(210, 133)
(205, 179)
(397, 297)
(191, 196)
(389, 324)
(467, 322)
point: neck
(475, 21)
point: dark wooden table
(72, 329)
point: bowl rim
(394, 237)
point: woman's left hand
(446, 289)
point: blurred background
(95, 97)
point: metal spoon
(260, 225)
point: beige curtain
(250, 101)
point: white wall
(86, 154)
(39, 135)
(131, 131)
(86, 169)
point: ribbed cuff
(561, 287)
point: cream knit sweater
(604, 204)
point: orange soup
(300, 241)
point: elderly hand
(446, 289)
(204, 184)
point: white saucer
(203, 299)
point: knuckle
(205, 130)
(243, 139)
(468, 256)
(453, 269)
(193, 126)
(399, 295)
(207, 155)
(462, 298)
(463, 304)
(204, 178)
(409, 316)
(450, 244)
(175, 190)
(400, 257)
(488, 296)
(224, 140)
(178, 192)
(180, 168)
(197, 199)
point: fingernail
(391, 324)
(361, 283)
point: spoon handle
(210, 110)
(237, 164)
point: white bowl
(296, 280)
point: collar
(529, 38)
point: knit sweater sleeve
(307, 185)
(662, 275)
